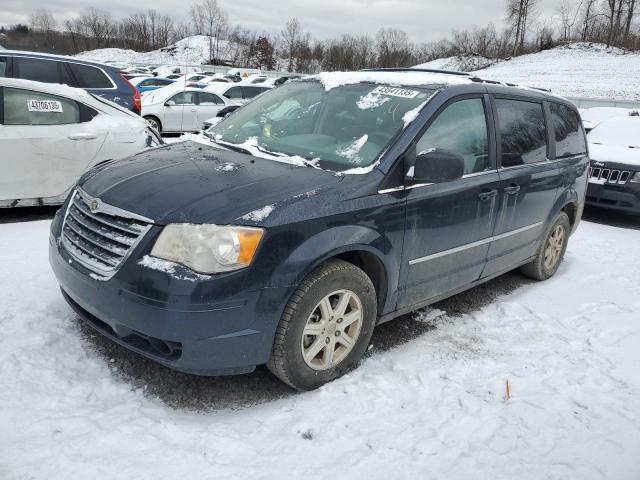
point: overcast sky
(423, 20)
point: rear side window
(3, 66)
(523, 136)
(90, 77)
(460, 128)
(566, 126)
(26, 107)
(209, 99)
(250, 92)
(235, 92)
(40, 70)
(184, 98)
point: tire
(154, 122)
(551, 250)
(336, 284)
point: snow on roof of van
(336, 79)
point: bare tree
(290, 38)
(568, 14)
(519, 14)
(41, 20)
(394, 49)
(588, 18)
(631, 10)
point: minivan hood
(188, 182)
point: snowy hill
(192, 50)
(588, 70)
(461, 63)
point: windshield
(343, 128)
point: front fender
(332, 242)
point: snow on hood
(332, 80)
(617, 132)
(612, 153)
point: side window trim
(496, 123)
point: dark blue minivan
(102, 80)
(319, 210)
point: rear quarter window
(3, 66)
(90, 77)
(566, 126)
(27, 107)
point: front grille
(609, 175)
(98, 235)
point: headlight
(636, 177)
(208, 248)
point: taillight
(137, 100)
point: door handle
(512, 189)
(487, 194)
(194, 110)
(82, 136)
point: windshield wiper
(229, 146)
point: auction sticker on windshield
(395, 92)
(44, 106)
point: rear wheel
(325, 327)
(154, 123)
(551, 251)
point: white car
(176, 109)
(616, 140)
(51, 134)
(591, 117)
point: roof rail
(424, 70)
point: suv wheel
(551, 250)
(325, 327)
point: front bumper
(209, 327)
(624, 197)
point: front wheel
(325, 327)
(551, 250)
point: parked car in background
(614, 180)
(591, 117)
(51, 134)
(96, 78)
(174, 76)
(176, 109)
(243, 72)
(277, 81)
(291, 238)
(148, 84)
(239, 92)
(164, 70)
(257, 78)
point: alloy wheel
(553, 249)
(332, 330)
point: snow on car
(51, 134)
(591, 117)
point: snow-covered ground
(435, 407)
(575, 70)
(193, 50)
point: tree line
(524, 30)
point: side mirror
(435, 166)
(169, 103)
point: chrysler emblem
(94, 205)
